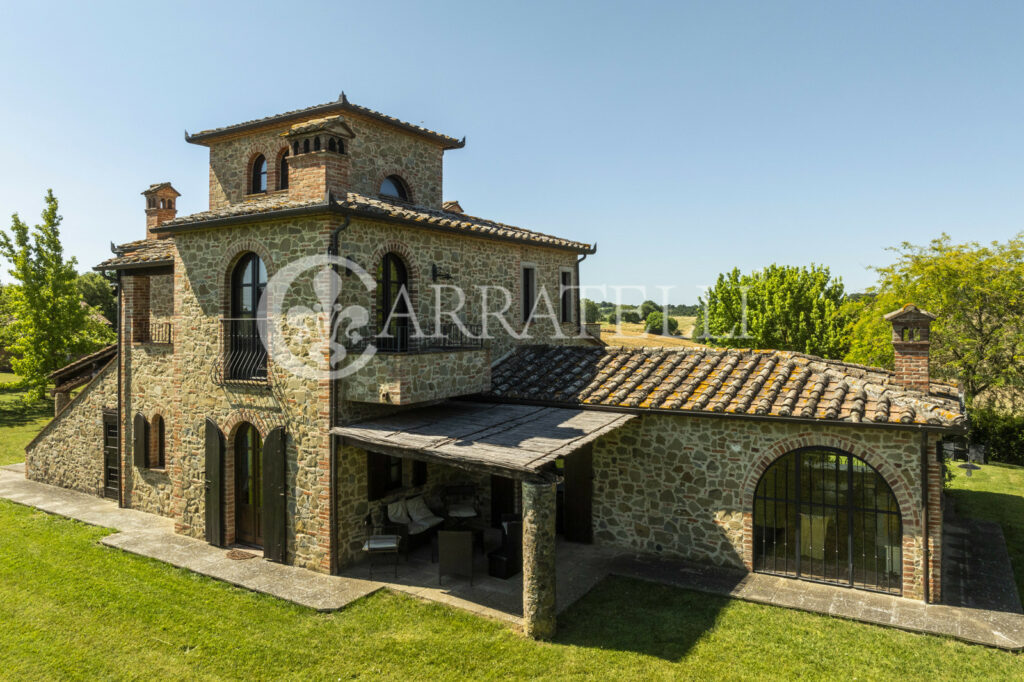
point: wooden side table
(376, 545)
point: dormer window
(259, 175)
(394, 186)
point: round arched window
(393, 186)
(259, 174)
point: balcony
(407, 369)
(243, 354)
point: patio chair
(460, 502)
(414, 521)
(455, 554)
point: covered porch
(532, 446)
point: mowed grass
(73, 609)
(995, 493)
(18, 423)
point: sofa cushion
(397, 513)
(417, 527)
(418, 509)
(461, 510)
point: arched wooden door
(825, 515)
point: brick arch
(233, 253)
(398, 172)
(154, 436)
(229, 426)
(904, 498)
(405, 253)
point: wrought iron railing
(402, 338)
(244, 355)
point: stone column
(60, 401)
(539, 614)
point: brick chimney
(160, 200)
(318, 159)
(910, 329)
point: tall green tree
(48, 326)
(977, 292)
(783, 307)
(97, 292)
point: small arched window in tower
(394, 186)
(331, 146)
(282, 172)
(157, 445)
(305, 146)
(341, 146)
(170, 203)
(163, 203)
(259, 174)
(316, 143)
(295, 148)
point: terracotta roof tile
(144, 252)
(736, 381)
(320, 110)
(383, 208)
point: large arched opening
(823, 514)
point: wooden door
(214, 483)
(249, 486)
(111, 461)
(503, 498)
(275, 507)
(579, 492)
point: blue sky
(683, 138)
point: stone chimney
(910, 329)
(160, 200)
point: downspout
(924, 515)
(579, 305)
(333, 249)
(120, 394)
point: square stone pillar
(539, 613)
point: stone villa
(766, 460)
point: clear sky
(684, 138)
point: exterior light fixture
(437, 272)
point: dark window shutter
(214, 484)
(275, 501)
(140, 433)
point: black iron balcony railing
(402, 338)
(244, 357)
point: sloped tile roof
(381, 208)
(338, 106)
(749, 382)
(144, 252)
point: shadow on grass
(18, 413)
(633, 615)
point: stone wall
(68, 452)
(409, 378)
(376, 151)
(149, 390)
(683, 486)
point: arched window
(394, 186)
(825, 515)
(157, 452)
(282, 171)
(316, 144)
(247, 356)
(392, 305)
(170, 203)
(248, 485)
(331, 146)
(163, 203)
(341, 146)
(305, 146)
(259, 174)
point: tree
(783, 307)
(656, 321)
(97, 292)
(591, 312)
(976, 292)
(648, 307)
(48, 325)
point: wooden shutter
(275, 502)
(215, 447)
(140, 433)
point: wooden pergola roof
(510, 440)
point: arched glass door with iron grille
(247, 355)
(393, 309)
(825, 515)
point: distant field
(633, 336)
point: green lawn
(70, 608)
(996, 493)
(18, 424)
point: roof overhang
(518, 441)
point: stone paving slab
(998, 629)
